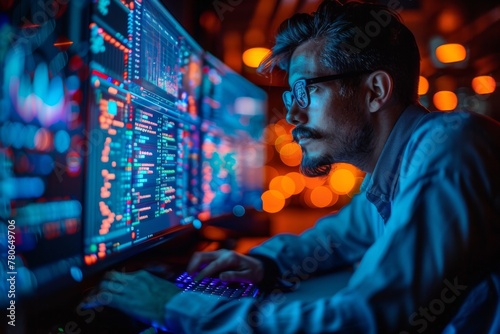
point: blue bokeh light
(238, 210)
(62, 141)
(197, 224)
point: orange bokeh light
(282, 140)
(283, 184)
(280, 128)
(335, 198)
(298, 180)
(306, 198)
(210, 22)
(291, 154)
(423, 85)
(445, 100)
(451, 53)
(252, 57)
(449, 20)
(484, 84)
(285, 125)
(342, 181)
(321, 196)
(272, 201)
(44, 140)
(269, 135)
(313, 182)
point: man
(424, 233)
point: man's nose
(296, 115)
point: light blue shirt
(423, 234)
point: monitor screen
(143, 174)
(42, 145)
(233, 118)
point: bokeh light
(298, 180)
(313, 182)
(280, 128)
(43, 140)
(423, 85)
(282, 140)
(445, 100)
(291, 154)
(272, 201)
(283, 184)
(239, 210)
(321, 196)
(210, 22)
(484, 84)
(30, 133)
(306, 198)
(62, 141)
(334, 200)
(449, 20)
(268, 135)
(253, 57)
(342, 181)
(451, 53)
(283, 123)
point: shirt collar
(381, 184)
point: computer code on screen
(144, 91)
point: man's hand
(229, 265)
(140, 295)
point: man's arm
(337, 240)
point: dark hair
(355, 37)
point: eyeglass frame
(307, 82)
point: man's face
(333, 128)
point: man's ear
(379, 86)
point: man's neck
(384, 121)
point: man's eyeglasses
(300, 93)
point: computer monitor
(233, 118)
(43, 145)
(143, 178)
(117, 133)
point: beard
(354, 147)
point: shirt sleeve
(191, 312)
(443, 234)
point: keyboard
(217, 287)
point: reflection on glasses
(300, 93)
